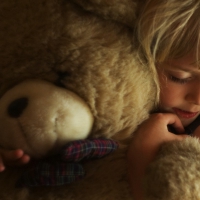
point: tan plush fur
(92, 43)
(40, 38)
(175, 173)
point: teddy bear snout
(16, 107)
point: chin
(186, 122)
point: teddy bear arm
(175, 173)
(122, 11)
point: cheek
(168, 93)
(167, 97)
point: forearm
(144, 146)
(137, 163)
(135, 181)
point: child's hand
(12, 158)
(146, 142)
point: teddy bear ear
(175, 172)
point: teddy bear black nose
(16, 108)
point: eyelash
(178, 80)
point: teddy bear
(35, 111)
(47, 121)
(53, 125)
(87, 48)
(34, 116)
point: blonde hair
(168, 29)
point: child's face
(180, 88)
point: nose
(16, 107)
(194, 95)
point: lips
(185, 114)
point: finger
(173, 120)
(2, 167)
(181, 137)
(12, 155)
(23, 160)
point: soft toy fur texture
(40, 39)
(175, 173)
(90, 46)
(41, 118)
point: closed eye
(179, 80)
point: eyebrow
(195, 69)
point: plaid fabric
(87, 149)
(66, 168)
(48, 174)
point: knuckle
(159, 116)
